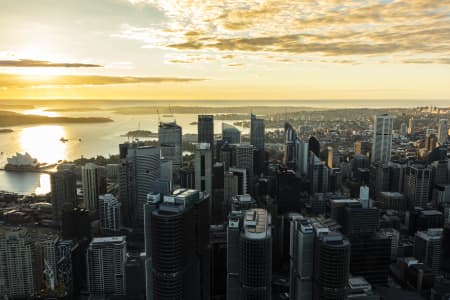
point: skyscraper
(110, 213)
(382, 138)
(244, 157)
(89, 178)
(443, 131)
(290, 139)
(302, 257)
(176, 240)
(331, 266)
(242, 177)
(170, 141)
(418, 183)
(257, 132)
(18, 265)
(139, 172)
(230, 189)
(428, 248)
(205, 129)
(302, 159)
(64, 190)
(106, 258)
(318, 175)
(203, 168)
(249, 255)
(230, 134)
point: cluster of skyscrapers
(232, 223)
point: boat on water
(25, 163)
(64, 140)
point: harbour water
(44, 141)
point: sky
(240, 49)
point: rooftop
(108, 239)
(256, 223)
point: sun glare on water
(41, 112)
(44, 143)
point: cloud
(17, 81)
(30, 63)
(356, 31)
(236, 65)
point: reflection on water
(44, 185)
(25, 183)
(41, 112)
(44, 143)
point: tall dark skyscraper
(249, 256)
(176, 239)
(317, 174)
(257, 132)
(205, 129)
(64, 190)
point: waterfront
(43, 142)
(88, 140)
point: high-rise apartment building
(18, 265)
(106, 258)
